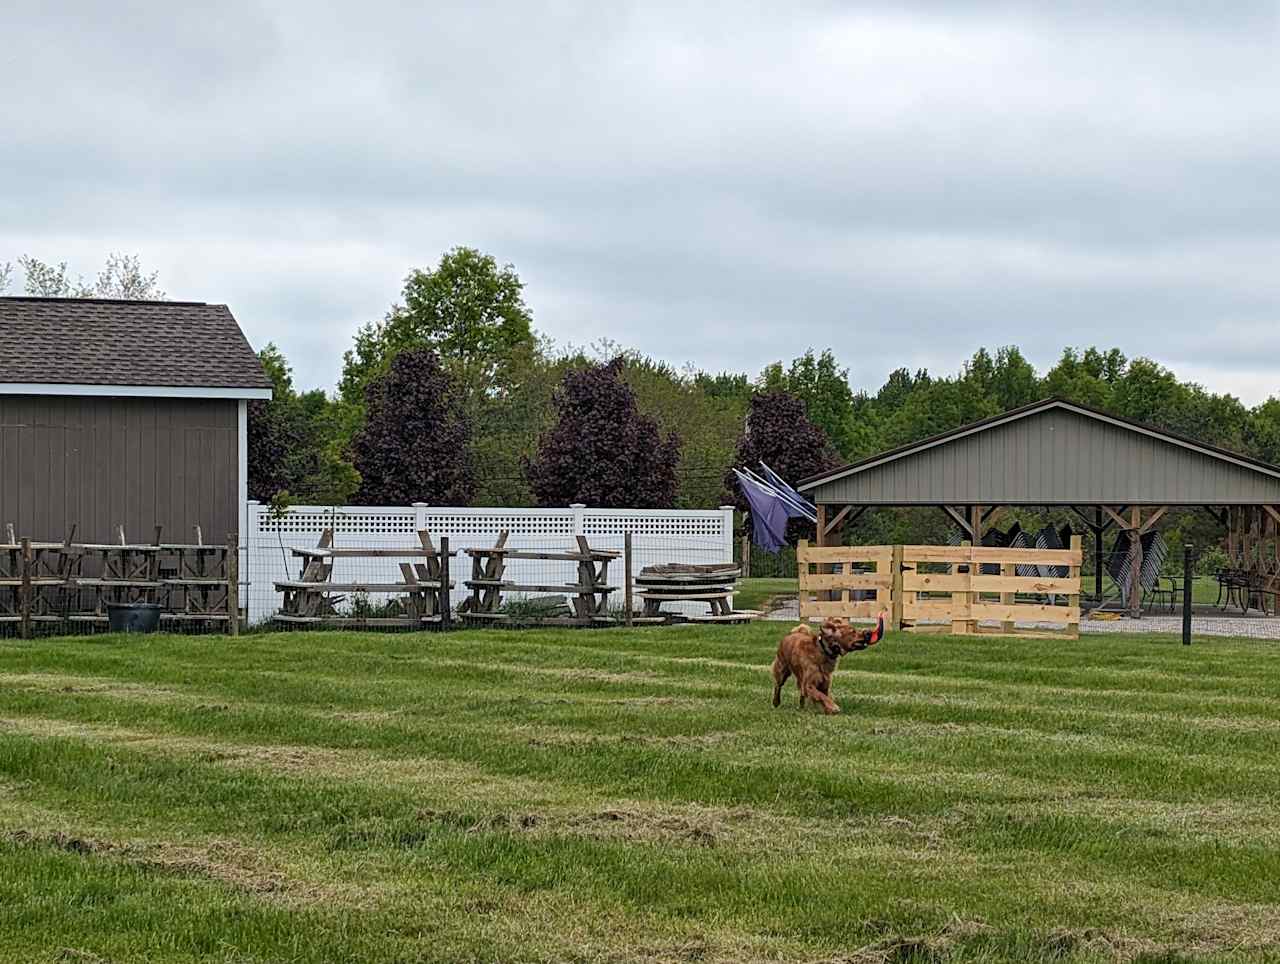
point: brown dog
(811, 657)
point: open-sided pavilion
(1111, 471)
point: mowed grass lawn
(631, 795)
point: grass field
(621, 796)
(759, 593)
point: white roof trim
(132, 391)
(1048, 405)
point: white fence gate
(695, 536)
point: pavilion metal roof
(1052, 452)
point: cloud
(726, 184)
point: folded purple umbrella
(769, 515)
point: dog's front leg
(814, 692)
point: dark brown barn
(129, 413)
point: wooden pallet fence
(943, 589)
(316, 598)
(846, 581)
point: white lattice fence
(658, 536)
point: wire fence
(381, 567)
(502, 564)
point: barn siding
(96, 462)
(1055, 457)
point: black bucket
(133, 617)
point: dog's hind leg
(780, 673)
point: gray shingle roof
(93, 341)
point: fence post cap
(726, 507)
(577, 505)
(418, 505)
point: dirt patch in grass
(97, 686)
(361, 716)
(1251, 927)
(57, 840)
(1097, 942)
(225, 861)
(75, 954)
(925, 947)
(583, 674)
(552, 737)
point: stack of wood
(581, 603)
(681, 583)
(315, 598)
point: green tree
(295, 450)
(1087, 379)
(1262, 433)
(707, 425)
(468, 310)
(1150, 393)
(898, 388)
(1014, 382)
(823, 386)
(938, 407)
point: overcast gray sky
(723, 184)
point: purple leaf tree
(416, 442)
(602, 451)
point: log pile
(681, 583)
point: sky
(716, 184)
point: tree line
(453, 397)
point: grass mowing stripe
(544, 795)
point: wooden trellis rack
(582, 603)
(421, 597)
(46, 582)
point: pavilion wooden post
(1135, 562)
(820, 539)
(975, 524)
(1097, 557)
(746, 556)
